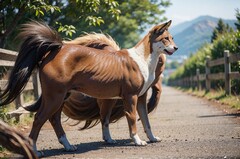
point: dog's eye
(172, 38)
(167, 38)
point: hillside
(191, 35)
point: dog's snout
(175, 47)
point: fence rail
(7, 60)
(227, 75)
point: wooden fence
(7, 60)
(227, 75)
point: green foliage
(227, 41)
(67, 29)
(220, 29)
(3, 113)
(136, 16)
(172, 65)
(66, 12)
(195, 61)
(40, 7)
(177, 74)
(231, 42)
(124, 20)
(238, 19)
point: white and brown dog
(85, 108)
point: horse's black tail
(35, 106)
(37, 40)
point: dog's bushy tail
(37, 40)
(85, 109)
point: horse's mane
(89, 39)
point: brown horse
(125, 74)
(84, 108)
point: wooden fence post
(19, 101)
(198, 79)
(227, 70)
(36, 85)
(191, 82)
(207, 70)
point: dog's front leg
(106, 106)
(143, 114)
(130, 104)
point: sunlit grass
(218, 95)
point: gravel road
(189, 127)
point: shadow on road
(221, 115)
(85, 147)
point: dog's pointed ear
(159, 29)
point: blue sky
(184, 10)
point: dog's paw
(155, 139)
(141, 143)
(138, 141)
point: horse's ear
(159, 29)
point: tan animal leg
(130, 104)
(157, 89)
(55, 121)
(155, 97)
(50, 105)
(143, 114)
(106, 106)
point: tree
(214, 35)
(13, 13)
(124, 20)
(135, 18)
(220, 29)
(237, 24)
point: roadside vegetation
(218, 96)
(223, 38)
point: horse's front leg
(130, 104)
(143, 114)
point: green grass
(218, 95)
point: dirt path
(188, 126)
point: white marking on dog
(161, 48)
(146, 66)
(138, 141)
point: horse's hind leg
(50, 104)
(55, 120)
(106, 106)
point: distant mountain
(191, 35)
